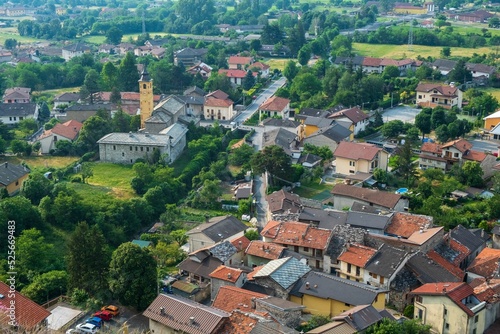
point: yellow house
(492, 120)
(359, 157)
(12, 177)
(450, 308)
(409, 9)
(218, 105)
(353, 260)
(329, 295)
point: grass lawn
(7, 33)
(401, 51)
(493, 91)
(181, 162)
(41, 162)
(278, 63)
(112, 178)
(313, 190)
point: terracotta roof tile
(356, 151)
(260, 65)
(405, 224)
(486, 290)
(370, 61)
(241, 243)
(382, 198)
(431, 148)
(486, 263)
(233, 73)
(213, 102)
(299, 234)
(357, 255)
(460, 144)
(455, 291)
(28, 313)
(239, 323)
(218, 94)
(254, 271)
(231, 298)
(265, 250)
(474, 156)
(354, 114)
(237, 60)
(69, 130)
(275, 103)
(455, 270)
(226, 274)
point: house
(287, 140)
(358, 319)
(261, 68)
(433, 95)
(405, 9)
(65, 99)
(171, 314)
(485, 264)
(488, 291)
(491, 121)
(259, 253)
(215, 230)
(230, 298)
(308, 241)
(280, 275)
(430, 157)
(372, 65)
(444, 66)
(107, 48)
(275, 106)
(81, 112)
(225, 276)
(17, 95)
(166, 113)
(329, 295)
(271, 50)
(239, 63)
(314, 124)
(275, 123)
(12, 177)
(355, 62)
(345, 196)
(359, 157)
(74, 50)
(235, 76)
(203, 69)
(123, 48)
(189, 56)
(449, 307)
(126, 148)
(356, 118)
(218, 105)
(480, 16)
(310, 160)
(283, 202)
(28, 315)
(353, 260)
(373, 222)
(61, 131)
(158, 53)
(329, 136)
(480, 70)
(13, 113)
(5, 56)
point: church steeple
(146, 103)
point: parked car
(87, 328)
(114, 310)
(95, 321)
(104, 315)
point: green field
(114, 178)
(493, 91)
(41, 162)
(313, 190)
(401, 51)
(277, 63)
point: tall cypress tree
(128, 76)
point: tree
(10, 43)
(133, 277)
(93, 129)
(446, 52)
(219, 81)
(404, 163)
(423, 122)
(109, 76)
(46, 286)
(472, 174)
(390, 72)
(392, 128)
(87, 259)
(241, 155)
(20, 146)
(305, 85)
(209, 193)
(496, 183)
(33, 253)
(290, 70)
(252, 234)
(90, 85)
(44, 112)
(304, 55)
(322, 151)
(127, 74)
(248, 80)
(36, 187)
(395, 327)
(114, 36)
(460, 73)
(494, 22)
(271, 34)
(272, 159)
(179, 236)
(438, 117)
(442, 134)
(86, 171)
(116, 96)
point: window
(349, 268)
(136, 148)
(55, 138)
(381, 280)
(21, 118)
(319, 252)
(474, 331)
(131, 148)
(352, 163)
(374, 164)
(142, 148)
(114, 147)
(420, 313)
(10, 118)
(420, 96)
(318, 264)
(455, 155)
(144, 86)
(17, 183)
(147, 149)
(123, 154)
(418, 299)
(306, 249)
(447, 326)
(445, 311)
(476, 319)
(358, 271)
(296, 249)
(348, 305)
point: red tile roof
(233, 73)
(431, 148)
(486, 263)
(254, 271)
(241, 243)
(260, 65)
(474, 156)
(298, 234)
(237, 60)
(239, 323)
(355, 114)
(456, 291)
(369, 61)
(275, 103)
(453, 269)
(226, 274)
(382, 198)
(28, 313)
(486, 290)
(405, 224)
(266, 250)
(231, 298)
(443, 90)
(218, 94)
(69, 130)
(213, 102)
(357, 255)
(356, 151)
(460, 144)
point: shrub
(76, 179)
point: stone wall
(118, 153)
(290, 318)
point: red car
(104, 315)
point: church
(163, 128)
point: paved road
(260, 200)
(484, 145)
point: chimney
(162, 310)
(252, 301)
(191, 320)
(307, 285)
(229, 275)
(240, 243)
(6, 165)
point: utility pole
(410, 37)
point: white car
(87, 328)
(71, 331)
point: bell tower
(146, 103)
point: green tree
(305, 85)
(219, 81)
(404, 163)
(446, 52)
(304, 55)
(87, 259)
(395, 327)
(494, 22)
(86, 171)
(46, 286)
(272, 159)
(252, 234)
(472, 174)
(109, 76)
(423, 122)
(36, 187)
(133, 277)
(392, 128)
(10, 43)
(442, 133)
(322, 151)
(248, 81)
(290, 70)
(90, 85)
(241, 155)
(121, 121)
(179, 236)
(114, 35)
(93, 129)
(34, 255)
(390, 72)
(438, 117)
(460, 73)
(44, 113)
(128, 76)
